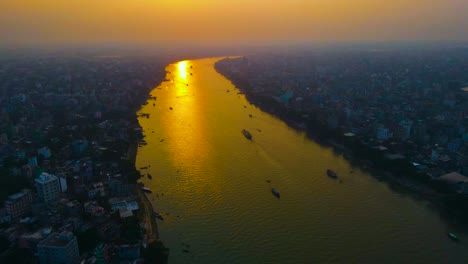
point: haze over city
(229, 23)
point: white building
(48, 187)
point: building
(48, 188)
(405, 129)
(78, 147)
(456, 181)
(383, 133)
(63, 183)
(59, 248)
(19, 204)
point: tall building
(59, 248)
(48, 187)
(19, 204)
(383, 133)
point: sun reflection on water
(182, 70)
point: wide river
(213, 187)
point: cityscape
(312, 139)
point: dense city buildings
(69, 134)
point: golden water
(210, 184)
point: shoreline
(151, 226)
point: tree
(88, 240)
(156, 252)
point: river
(213, 187)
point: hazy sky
(29, 22)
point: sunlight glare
(182, 67)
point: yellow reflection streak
(185, 126)
(182, 80)
(182, 66)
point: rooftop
(45, 177)
(16, 196)
(454, 177)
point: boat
(275, 192)
(158, 215)
(147, 190)
(150, 177)
(453, 236)
(246, 134)
(332, 174)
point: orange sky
(230, 22)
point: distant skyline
(229, 23)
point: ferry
(275, 193)
(247, 134)
(147, 190)
(332, 174)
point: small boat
(150, 177)
(250, 115)
(158, 215)
(147, 190)
(275, 192)
(453, 236)
(332, 174)
(170, 108)
(247, 134)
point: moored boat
(246, 134)
(158, 215)
(332, 174)
(147, 190)
(275, 193)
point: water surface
(211, 185)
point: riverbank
(149, 222)
(396, 172)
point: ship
(247, 134)
(147, 190)
(332, 174)
(275, 193)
